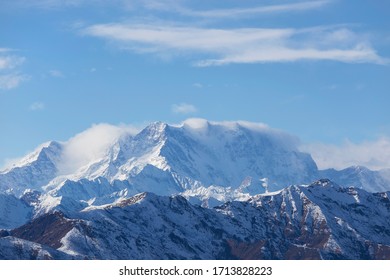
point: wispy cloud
(280, 138)
(240, 12)
(61, 4)
(9, 76)
(47, 4)
(56, 74)
(4, 50)
(10, 61)
(197, 85)
(171, 6)
(37, 106)
(372, 154)
(10, 81)
(184, 108)
(243, 45)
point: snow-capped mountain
(197, 157)
(202, 153)
(157, 189)
(196, 153)
(319, 221)
(207, 162)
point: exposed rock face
(47, 230)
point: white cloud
(242, 45)
(10, 61)
(197, 85)
(244, 12)
(10, 81)
(56, 74)
(91, 145)
(61, 4)
(170, 6)
(37, 106)
(47, 4)
(372, 154)
(184, 108)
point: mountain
(207, 162)
(196, 158)
(199, 190)
(199, 152)
(319, 221)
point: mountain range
(199, 190)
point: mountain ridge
(317, 221)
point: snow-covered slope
(19, 249)
(14, 212)
(225, 154)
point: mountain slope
(14, 212)
(18, 249)
(319, 221)
(33, 171)
(360, 177)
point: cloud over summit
(91, 145)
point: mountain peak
(322, 183)
(50, 149)
(157, 126)
(154, 131)
(138, 198)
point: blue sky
(317, 69)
